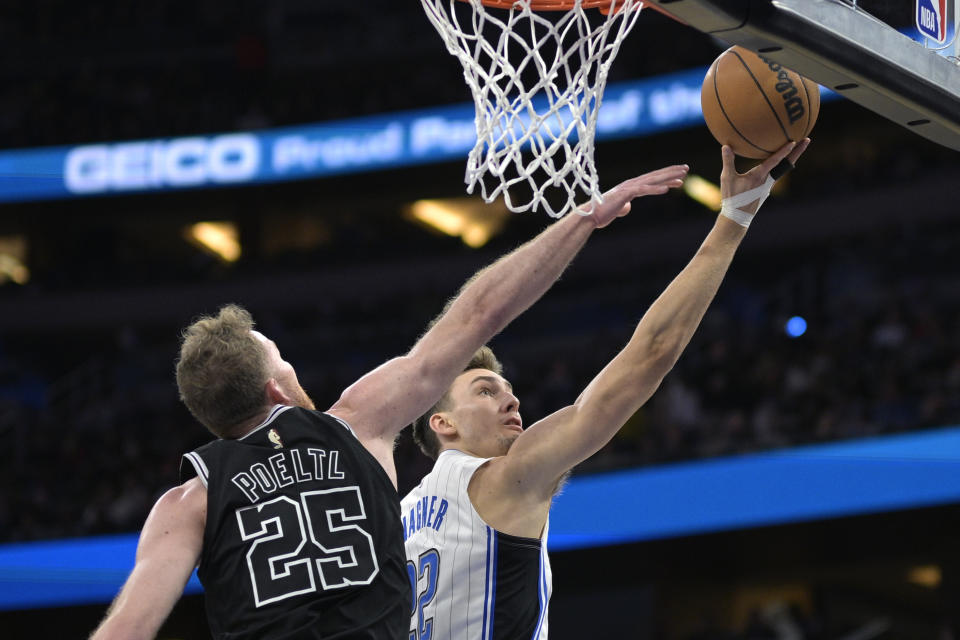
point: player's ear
(276, 394)
(441, 425)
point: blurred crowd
(775, 620)
(91, 72)
(90, 450)
(181, 68)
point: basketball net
(537, 80)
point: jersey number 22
(428, 571)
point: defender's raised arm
(387, 399)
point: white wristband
(730, 207)
(742, 218)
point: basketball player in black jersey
(293, 516)
(476, 527)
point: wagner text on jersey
(427, 513)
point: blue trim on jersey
(486, 592)
(493, 588)
(541, 596)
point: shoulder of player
(354, 421)
(525, 470)
(501, 499)
(500, 477)
(174, 529)
(190, 498)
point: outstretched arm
(557, 443)
(167, 553)
(390, 397)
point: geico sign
(181, 162)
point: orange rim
(566, 5)
(552, 5)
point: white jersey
(470, 581)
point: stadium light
(471, 220)
(703, 191)
(219, 238)
(13, 253)
(926, 576)
(796, 327)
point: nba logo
(932, 19)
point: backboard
(845, 47)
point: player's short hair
(222, 370)
(423, 435)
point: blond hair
(222, 370)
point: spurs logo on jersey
(470, 581)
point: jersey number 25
(293, 542)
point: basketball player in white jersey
(475, 529)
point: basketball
(755, 105)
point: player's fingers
(672, 169)
(666, 185)
(671, 182)
(666, 173)
(767, 165)
(653, 183)
(798, 150)
(639, 186)
(729, 165)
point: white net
(537, 80)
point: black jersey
(303, 537)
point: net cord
(552, 121)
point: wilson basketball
(755, 105)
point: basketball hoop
(537, 70)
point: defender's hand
(616, 202)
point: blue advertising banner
(311, 151)
(856, 477)
(871, 475)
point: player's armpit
(393, 395)
(505, 507)
(167, 553)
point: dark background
(861, 241)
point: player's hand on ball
(733, 183)
(616, 201)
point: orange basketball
(755, 105)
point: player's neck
(460, 448)
(244, 428)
